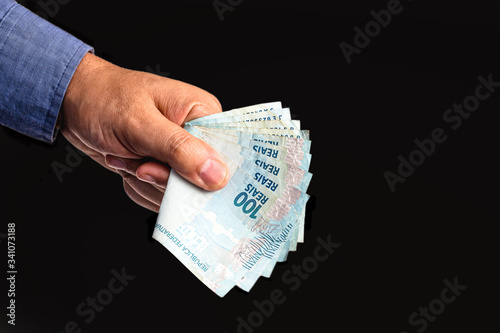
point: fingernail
(116, 164)
(147, 178)
(213, 173)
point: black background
(396, 248)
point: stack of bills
(233, 236)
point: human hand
(130, 123)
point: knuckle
(209, 105)
(199, 106)
(178, 143)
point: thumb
(190, 157)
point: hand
(130, 122)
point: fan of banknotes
(233, 236)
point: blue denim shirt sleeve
(37, 62)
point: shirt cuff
(37, 62)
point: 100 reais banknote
(233, 236)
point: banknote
(294, 181)
(233, 236)
(294, 237)
(233, 157)
(268, 173)
(261, 116)
(266, 115)
(275, 141)
(249, 110)
(278, 147)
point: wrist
(76, 88)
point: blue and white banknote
(233, 236)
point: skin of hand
(131, 122)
